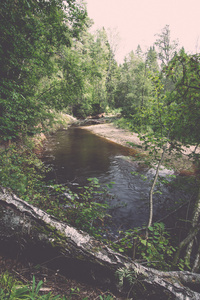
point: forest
(51, 63)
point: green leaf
(150, 228)
(121, 250)
(144, 242)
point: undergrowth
(23, 173)
(155, 251)
(85, 209)
(12, 289)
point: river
(76, 154)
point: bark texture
(30, 232)
(190, 244)
(153, 187)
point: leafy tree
(128, 85)
(138, 51)
(152, 60)
(173, 116)
(31, 32)
(111, 81)
(99, 53)
(113, 69)
(134, 87)
(98, 65)
(166, 47)
(184, 70)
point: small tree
(174, 117)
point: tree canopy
(31, 36)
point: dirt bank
(121, 136)
(117, 135)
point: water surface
(77, 154)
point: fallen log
(31, 233)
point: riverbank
(23, 270)
(117, 135)
(61, 121)
(109, 131)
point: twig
(173, 212)
(22, 277)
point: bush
(85, 209)
(21, 171)
(155, 250)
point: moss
(55, 237)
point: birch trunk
(153, 187)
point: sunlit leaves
(31, 34)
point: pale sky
(137, 22)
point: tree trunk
(33, 234)
(153, 187)
(191, 242)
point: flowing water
(77, 154)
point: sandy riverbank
(121, 136)
(114, 134)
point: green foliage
(85, 209)
(7, 283)
(106, 297)
(124, 123)
(31, 35)
(126, 274)
(155, 250)
(132, 124)
(132, 279)
(21, 170)
(134, 87)
(166, 47)
(98, 71)
(184, 70)
(24, 173)
(174, 113)
(11, 289)
(171, 119)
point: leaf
(121, 250)
(150, 228)
(144, 242)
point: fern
(129, 275)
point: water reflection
(76, 154)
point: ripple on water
(77, 154)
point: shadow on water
(76, 154)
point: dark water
(76, 154)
